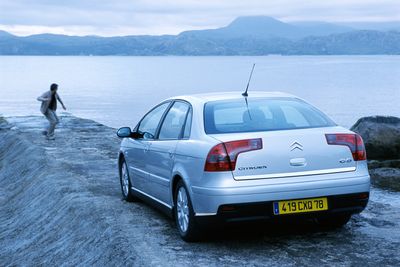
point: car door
(160, 157)
(135, 153)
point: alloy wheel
(183, 209)
(124, 179)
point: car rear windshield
(261, 114)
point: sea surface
(117, 91)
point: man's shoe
(51, 137)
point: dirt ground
(60, 204)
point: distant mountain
(257, 27)
(364, 42)
(376, 26)
(318, 28)
(5, 34)
(258, 35)
(264, 27)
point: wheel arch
(121, 157)
(175, 179)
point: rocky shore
(60, 204)
(381, 136)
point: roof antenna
(245, 94)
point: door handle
(147, 148)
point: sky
(157, 17)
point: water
(117, 91)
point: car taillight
(223, 156)
(353, 141)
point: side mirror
(124, 132)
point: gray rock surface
(385, 173)
(374, 164)
(387, 178)
(60, 204)
(381, 136)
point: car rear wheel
(184, 214)
(334, 221)
(126, 183)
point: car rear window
(261, 114)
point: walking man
(49, 106)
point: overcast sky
(132, 17)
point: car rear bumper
(208, 201)
(338, 204)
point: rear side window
(173, 123)
(261, 114)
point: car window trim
(162, 121)
(181, 137)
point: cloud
(125, 17)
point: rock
(374, 164)
(387, 178)
(4, 124)
(381, 136)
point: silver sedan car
(226, 157)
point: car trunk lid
(289, 153)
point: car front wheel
(126, 183)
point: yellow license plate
(300, 205)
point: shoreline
(384, 173)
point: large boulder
(382, 141)
(381, 136)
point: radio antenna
(245, 94)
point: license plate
(300, 205)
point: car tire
(334, 221)
(125, 183)
(188, 228)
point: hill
(259, 35)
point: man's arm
(59, 100)
(43, 97)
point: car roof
(206, 97)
